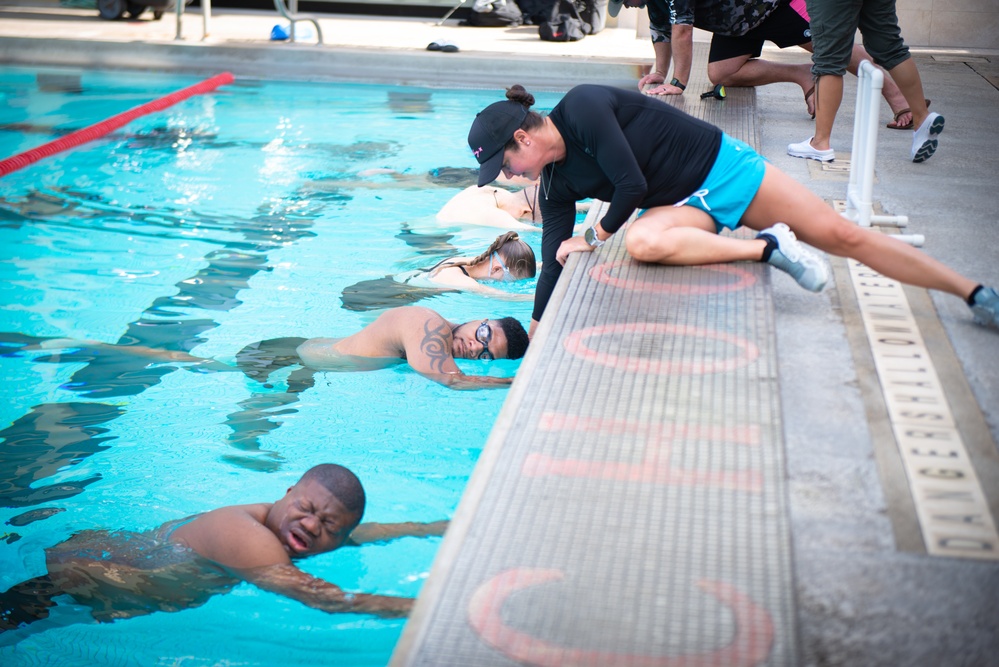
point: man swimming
(415, 335)
(409, 334)
(183, 563)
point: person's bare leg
(907, 77)
(686, 236)
(783, 199)
(828, 96)
(747, 71)
(890, 91)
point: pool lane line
(98, 130)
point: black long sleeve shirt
(624, 148)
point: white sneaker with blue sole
(924, 140)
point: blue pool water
(229, 218)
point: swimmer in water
(507, 259)
(494, 207)
(183, 563)
(409, 334)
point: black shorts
(784, 27)
(259, 360)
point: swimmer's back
(321, 354)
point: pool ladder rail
(289, 12)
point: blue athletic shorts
(731, 184)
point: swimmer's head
(489, 339)
(319, 512)
(517, 255)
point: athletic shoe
(792, 258)
(986, 308)
(924, 140)
(806, 150)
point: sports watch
(676, 82)
(590, 236)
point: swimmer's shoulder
(218, 533)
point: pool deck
(757, 490)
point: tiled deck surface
(692, 467)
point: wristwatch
(676, 82)
(590, 236)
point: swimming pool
(229, 218)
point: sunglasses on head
(484, 334)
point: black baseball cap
(492, 128)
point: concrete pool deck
(741, 497)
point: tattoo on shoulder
(436, 344)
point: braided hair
(516, 253)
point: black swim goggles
(484, 334)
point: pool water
(229, 218)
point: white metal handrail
(859, 192)
(206, 18)
(291, 14)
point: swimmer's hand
(292, 582)
(368, 533)
(573, 244)
(462, 382)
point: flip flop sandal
(901, 112)
(811, 91)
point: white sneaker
(924, 140)
(806, 150)
(792, 258)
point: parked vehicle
(112, 10)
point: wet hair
(516, 253)
(342, 483)
(532, 120)
(516, 337)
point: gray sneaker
(986, 308)
(792, 258)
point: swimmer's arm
(368, 533)
(317, 593)
(453, 277)
(461, 382)
(485, 290)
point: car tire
(112, 10)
